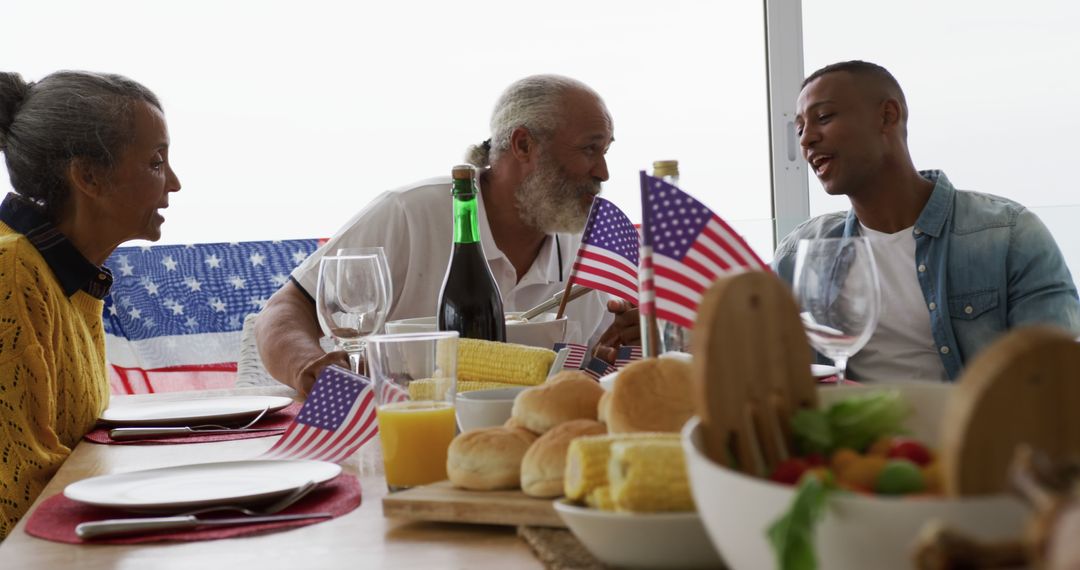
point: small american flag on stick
(626, 355)
(598, 367)
(576, 358)
(337, 418)
(608, 257)
(689, 247)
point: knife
(123, 433)
(112, 527)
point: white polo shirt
(415, 226)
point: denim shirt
(985, 264)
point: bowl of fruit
(864, 481)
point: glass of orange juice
(415, 385)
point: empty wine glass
(352, 300)
(836, 284)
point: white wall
(992, 88)
(286, 117)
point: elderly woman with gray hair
(539, 173)
(88, 157)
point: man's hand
(310, 372)
(625, 330)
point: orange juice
(415, 437)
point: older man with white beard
(539, 172)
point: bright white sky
(287, 117)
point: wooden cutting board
(442, 502)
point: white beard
(548, 201)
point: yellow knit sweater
(53, 383)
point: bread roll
(602, 405)
(653, 394)
(543, 407)
(488, 458)
(545, 461)
(568, 375)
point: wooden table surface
(362, 539)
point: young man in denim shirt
(957, 268)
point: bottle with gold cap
(673, 337)
(469, 301)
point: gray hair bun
(13, 91)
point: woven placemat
(558, 549)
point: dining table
(362, 538)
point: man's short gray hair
(534, 103)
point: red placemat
(56, 518)
(279, 419)
(831, 381)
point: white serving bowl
(485, 408)
(629, 540)
(543, 330)
(857, 531)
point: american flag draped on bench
(174, 314)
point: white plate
(193, 412)
(628, 540)
(203, 484)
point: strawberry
(789, 471)
(910, 449)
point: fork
(174, 431)
(110, 527)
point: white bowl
(629, 540)
(542, 331)
(485, 408)
(857, 531)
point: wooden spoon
(751, 371)
(1023, 388)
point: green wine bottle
(469, 301)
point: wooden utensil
(751, 371)
(1024, 388)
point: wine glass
(352, 300)
(836, 284)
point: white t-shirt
(902, 347)
(415, 226)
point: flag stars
(150, 286)
(169, 263)
(113, 311)
(193, 284)
(135, 313)
(191, 322)
(279, 279)
(257, 259)
(126, 269)
(298, 256)
(177, 309)
(237, 282)
(213, 261)
(259, 302)
(218, 305)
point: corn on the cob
(649, 476)
(434, 388)
(486, 361)
(600, 498)
(587, 460)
